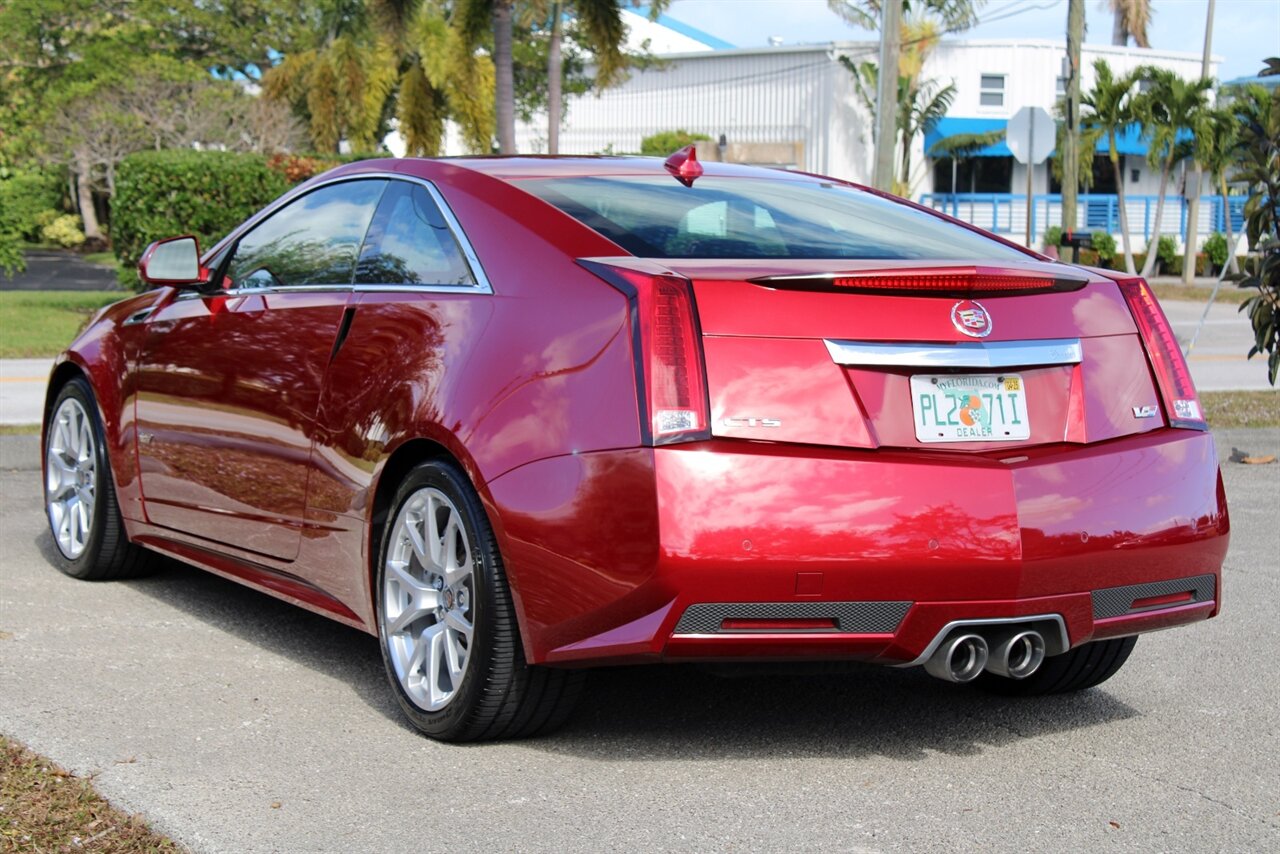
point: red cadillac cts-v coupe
(522, 416)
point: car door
(229, 384)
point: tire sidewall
(455, 716)
(84, 565)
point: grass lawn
(1242, 408)
(42, 323)
(1228, 294)
(46, 808)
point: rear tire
(1075, 670)
(89, 539)
(446, 621)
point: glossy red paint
(258, 436)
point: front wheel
(447, 623)
(88, 534)
(1075, 670)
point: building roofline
(1050, 44)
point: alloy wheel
(428, 599)
(71, 477)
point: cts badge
(970, 318)
(751, 422)
(1148, 411)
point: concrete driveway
(237, 723)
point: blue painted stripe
(685, 30)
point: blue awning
(1128, 141)
(949, 127)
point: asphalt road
(51, 270)
(237, 723)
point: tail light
(1181, 404)
(670, 378)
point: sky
(1244, 31)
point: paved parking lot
(237, 723)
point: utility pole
(1193, 188)
(887, 94)
(1071, 146)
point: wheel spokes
(71, 477)
(426, 609)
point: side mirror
(173, 261)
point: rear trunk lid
(819, 352)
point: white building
(797, 106)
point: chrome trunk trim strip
(985, 354)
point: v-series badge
(1148, 411)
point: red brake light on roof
(671, 379)
(1181, 403)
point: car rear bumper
(769, 551)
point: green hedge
(166, 193)
(24, 195)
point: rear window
(656, 217)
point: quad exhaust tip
(1013, 654)
(1016, 655)
(960, 658)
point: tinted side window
(314, 240)
(410, 243)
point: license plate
(970, 407)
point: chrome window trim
(482, 286)
(336, 289)
(965, 354)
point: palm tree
(1217, 135)
(370, 59)
(957, 15)
(1109, 102)
(605, 33)
(342, 83)
(1132, 18)
(1166, 110)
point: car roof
(521, 167)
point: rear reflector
(782, 625)
(671, 379)
(1181, 404)
(941, 281)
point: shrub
(23, 197)
(664, 143)
(1215, 247)
(63, 230)
(166, 193)
(1167, 253)
(1105, 245)
(1053, 236)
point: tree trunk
(1232, 265)
(1071, 145)
(1193, 228)
(906, 160)
(1119, 33)
(555, 72)
(504, 90)
(887, 103)
(84, 199)
(1154, 243)
(1124, 215)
